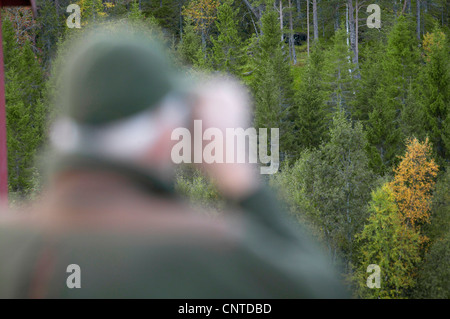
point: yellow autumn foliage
(414, 181)
(202, 12)
(431, 40)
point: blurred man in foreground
(109, 207)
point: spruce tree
(25, 116)
(51, 28)
(383, 135)
(412, 115)
(399, 66)
(339, 70)
(435, 93)
(386, 242)
(227, 47)
(312, 119)
(332, 187)
(135, 14)
(190, 48)
(10, 43)
(434, 274)
(371, 75)
(92, 11)
(272, 83)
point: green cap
(112, 75)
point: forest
(361, 100)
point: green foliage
(10, 43)
(51, 28)
(435, 93)
(385, 241)
(402, 57)
(293, 185)
(340, 71)
(434, 276)
(272, 83)
(199, 190)
(312, 116)
(166, 13)
(332, 186)
(392, 92)
(367, 87)
(440, 208)
(135, 14)
(190, 48)
(227, 47)
(92, 11)
(412, 115)
(399, 65)
(383, 135)
(25, 112)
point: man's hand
(223, 103)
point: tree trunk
(204, 41)
(291, 35)
(356, 31)
(316, 25)
(307, 24)
(253, 10)
(181, 23)
(323, 22)
(336, 20)
(425, 7)
(404, 6)
(351, 22)
(418, 19)
(346, 23)
(281, 20)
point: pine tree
(401, 60)
(384, 132)
(119, 9)
(135, 14)
(434, 275)
(51, 28)
(167, 13)
(202, 13)
(367, 87)
(339, 69)
(435, 93)
(190, 48)
(30, 74)
(386, 242)
(272, 83)
(25, 116)
(227, 47)
(91, 11)
(312, 116)
(334, 184)
(412, 115)
(10, 43)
